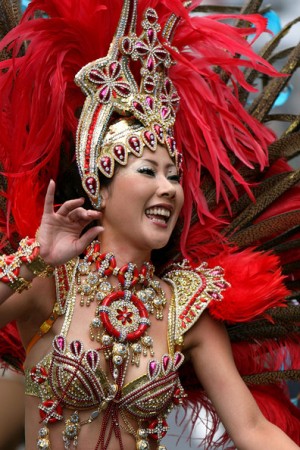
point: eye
(174, 177)
(147, 171)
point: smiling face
(142, 203)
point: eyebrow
(155, 163)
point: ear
(104, 193)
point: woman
(104, 375)
(146, 184)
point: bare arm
(213, 362)
(59, 235)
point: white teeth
(158, 212)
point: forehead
(160, 157)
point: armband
(28, 253)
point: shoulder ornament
(194, 289)
(64, 275)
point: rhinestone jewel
(83, 268)
(136, 348)
(107, 340)
(142, 433)
(43, 444)
(92, 278)
(43, 432)
(96, 322)
(119, 349)
(71, 431)
(147, 341)
(142, 444)
(117, 360)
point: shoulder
(194, 288)
(64, 278)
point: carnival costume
(158, 76)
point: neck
(124, 253)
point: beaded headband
(149, 106)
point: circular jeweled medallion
(124, 316)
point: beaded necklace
(122, 311)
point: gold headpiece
(148, 108)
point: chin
(155, 240)
(160, 244)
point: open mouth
(159, 215)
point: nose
(166, 188)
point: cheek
(180, 198)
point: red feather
(256, 285)
(11, 349)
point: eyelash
(151, 172)
(147, 170)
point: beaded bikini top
(70, 376)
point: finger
(49, 199)
(69, 206)
(88, 237)
(83, 215)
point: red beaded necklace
(122, 312)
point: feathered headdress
(40, 101)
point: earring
(98, 204)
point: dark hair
(69, 187)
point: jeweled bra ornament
(111, 90)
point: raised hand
(59, 234)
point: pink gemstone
(161, 54)
(114, 69)
(104, 94)
(149, 87)
(165, 112)
(60, 343)
(127, 45)
(150, 64)
(175, 99)
(141, 49)
(151, 35)
(92, 358)
(122, 88)
(214, 295)
(166, 361)
(168, 86)
(149, 136)
(152, 367)
(178, 359)
(172, 144)
(95, 76)
(76, 348)
(217, 272)
(159, 131)
(150, 102)
(139, 107)
(149, 83)
(151, 16)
